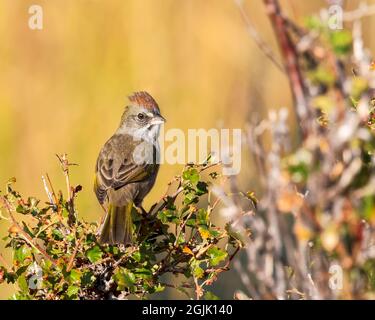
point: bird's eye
(141, 116)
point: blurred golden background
(63, 88)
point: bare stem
(262, 45)
(52, 189)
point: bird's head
(141, 117)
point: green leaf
(190, 198)
(359, 87)
(202, 188)
(21, 270)
(202, 217)
(137, 256)
(20, 296)
(124, 279)
(10, 277)
(75, 275)
(197, 271)
(168, 216)
(191, 175)
(90, 238)
(143, 273)
(322, 76)
(22, 253)
(65, 212)
(341, 41)
(191, 222)
(57, 234)
(208, 233)
(22, 209)
(72, 291)
(94, 254)
(181, 238)
(87, 279)
(22, 283)
(216, 255)
(159, 288)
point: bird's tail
(117, 225)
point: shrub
(56, 254)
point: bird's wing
(114, 170)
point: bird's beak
(157, 120)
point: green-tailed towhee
(127, 166)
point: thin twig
(262, 45)
(198, 289)
(71, 260)
(65, 164)
(210, 166)
(49, 194)
(182, 227)
(25, 235)
(46, 227)
(52, 189)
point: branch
(71, 260)
(290, 56)
(253, 32)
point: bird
(127, 166)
